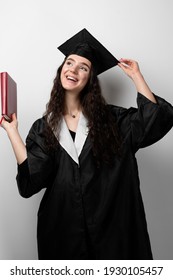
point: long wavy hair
(103, 132)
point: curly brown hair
(103, 132)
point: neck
(73, 106)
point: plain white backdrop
(30, 32)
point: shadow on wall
(117, 89)
(155, 171)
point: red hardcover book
(8, 88)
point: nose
(74, 69)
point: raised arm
(131, 68)
(15, 138)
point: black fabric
(73, 134)
(89, 212)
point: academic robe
(89, 212)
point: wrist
(137, 77)
(12, 131)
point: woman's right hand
(9, 126)
(15, 138)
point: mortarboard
(84, 44)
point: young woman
(83, 153)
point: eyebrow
(83, 63)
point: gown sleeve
(36, 172)
(146, 124)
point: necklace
(74, 115)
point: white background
(30, 32)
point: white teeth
(71, 78)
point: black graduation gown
(89, 212)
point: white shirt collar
(74, 148)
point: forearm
(131, 68)
(17, 145)
(142, 86)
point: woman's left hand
(130, 67)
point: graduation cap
(84, 44)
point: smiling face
(75, 73)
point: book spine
(4, 83)
(0, 96)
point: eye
(83, 68)
(69, 63)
